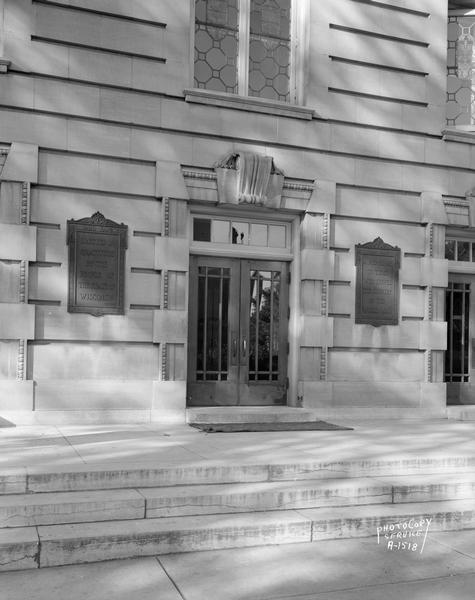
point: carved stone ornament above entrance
(249, 178)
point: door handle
(244, 347)
(234, 348)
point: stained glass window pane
(450, 249)
(463, 251)
(460, 70)
(216, 44)
(269, 49)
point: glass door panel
(213, 371)
(459, 312)
(263, 332)
(264, 319)
(212, 326)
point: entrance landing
(30, 449)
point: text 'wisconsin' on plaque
(96, 265)
(377, 283)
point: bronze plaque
(377, 283)
(96, 265)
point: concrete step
(464, 412)
(53, 545)
(52, 508)
(249, 414)
(254, 497)
(21, 510)
(431, 487)
(86, 478)
(236, 498)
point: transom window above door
(245, 47)
(240, 232)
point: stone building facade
(250, 148)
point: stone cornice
(455, 134)
(248, 103)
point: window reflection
(264, 325)
(240, 233)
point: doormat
(279, 426)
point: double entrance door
(237, 341)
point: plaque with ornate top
(96, 265)
(377, 283)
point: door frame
(292, 255)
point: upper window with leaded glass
(244, 47)
(461, 65)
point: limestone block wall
(360, 368)
(100, 88)
(18, 170)
(380, 62)
(113, 367)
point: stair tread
(307, 462)
(148, 527)
(138, 493)
(152, 526)
(387, 510)
(126, 494)
(421, 480)
(261, 487)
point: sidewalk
(356, 569)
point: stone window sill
(463, 133)
(248, 103)
(4, 64)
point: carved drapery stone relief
(249, 178)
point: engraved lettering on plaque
(96, 265)
(377, 283)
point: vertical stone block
(433, 210)
(176, 362)
(317, 264)
(177, 288)
(171, 253)
(10, 202)
(21, 163)
(311, 229)
(170, 326)
(311, 297)
(169, 180)
(323, 198)
(309, 364)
